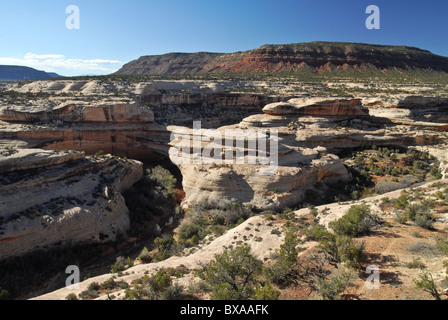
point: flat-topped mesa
(328, 107)
(115, 113)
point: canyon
(71, 149)
(311, 131)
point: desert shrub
(150, 288)
(164, 246)
(109, 284)
(94, 286)
(357, 221)
(187, 230)
(265, 292)
(339, 248)
(435, 172)
(143, 256)
(159, 282)
(331, 288)
(89, 294)
(313, 211)
(284, 269)
(288, 214)
(415, 264)
(401, 202)
(5, 295)
(416, 234)
(428, 203)
(151, 197)
(439, 195)
(232, 274)
(163, 180)
(423, 248)
(401, 218)
(138, 292)
(442, 245)
(129, 262)
(425, 220)
(411, 211)
(71, 297)
(350, 252)
(427, 284)
(117, 267)
(173, 292)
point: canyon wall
(61, 198)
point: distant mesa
(14, 73)
(291, 58)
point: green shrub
(160, 282)
(401, 218)
(435, 172)
(416, 264)
(143, 256)
(339, 248)
(332, 288)
(117, 267)
(164, 243)
(401, 202)
(109, 284)
(265, 292)
(423, 248)
(439, 195)
(425, 220)
(411, 211)
(94, 286)
(442, 245)
(89, 295)
(427, 284)
(233, 274)
(357, 221)
(165, 181)
(173, 292)
(288, 214)
(71, 296)
(350, 252)
(284, 269)
(5, 295)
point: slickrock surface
(65, 192)
(50, 198)
(386, 247)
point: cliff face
(313, 56)
(69, 199)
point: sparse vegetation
(232, 275)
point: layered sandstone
(296, 57)
(51, 198)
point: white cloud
(60, 64)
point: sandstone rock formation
(51, 198)
(265, 241)
(88, 116)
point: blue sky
(34, 33)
